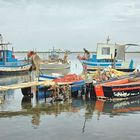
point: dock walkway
(27, 84)
(31, 84)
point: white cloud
(34, 23)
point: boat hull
(93, 66)
(125, 87)
(76, 86)
(13, 70)
(123, 91)
(54, 66)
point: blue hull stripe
(101, 64)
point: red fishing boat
(120, 88)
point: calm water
(27, 119)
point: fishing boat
(48, 77)
(76, 82)
(73, 81)
(64, 86)
(43, 77)
(125, 89)
(108, 54)
(55, 62)
(10, 65)
(122, 88)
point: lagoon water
(31, 119)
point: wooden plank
(24, 85)
(31, 84)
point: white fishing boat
(55, 62)
(108, 54)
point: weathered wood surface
(31, 84)
(24, 85)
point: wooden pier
(31, 84)
(27, 84)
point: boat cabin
(110, 51)
(7, 56)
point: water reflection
(26, 102)
(74, 106)
(117, 107)
(8, 80)
(4, 96)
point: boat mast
(3, 47)
(113, 56)
(1, 41)
(108, 39)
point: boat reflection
(14, 79)
(7, 96)
(26, 102)
(89, 109)
(117, 107)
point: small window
(106, 51)
(1, 56)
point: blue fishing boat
(52, 76)
(74, 81)
(10, 65)
(108, 54)
(78, 85)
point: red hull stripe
(99, 91)
(126, 88)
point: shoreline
(70, 52)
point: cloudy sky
(68, 24)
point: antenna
(1, 41)
(108, 39)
